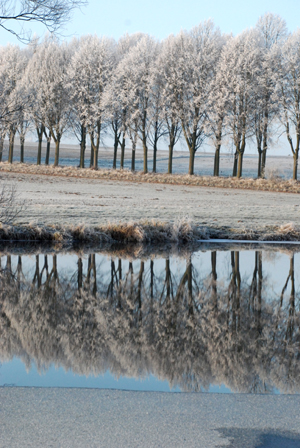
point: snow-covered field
(68, 200)
(82, 418)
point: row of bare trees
(143, 317)
(198, 86)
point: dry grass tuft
(274, 175)
(126, 232)
(153, 232)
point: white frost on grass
(81, 418)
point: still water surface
(213, 320)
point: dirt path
(60, 200)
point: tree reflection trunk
(190, 285)
(8, 264)
(131, 278)
(168, 278)
(80, 274)
(258, 256)
(214, 279)
(151, 279)
(37, 277)
(291, 321)
(235, 291)
(19, 272)
(140, 281)
(120, 269)
(45, 268)
(255, 302)
(110, 290)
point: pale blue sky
(161, 17)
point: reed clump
(128, 232)
(182, 232)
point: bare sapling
(10, 208)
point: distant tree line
(198, 86)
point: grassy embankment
(273, 183)
(149, 232)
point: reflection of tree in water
(188, 330)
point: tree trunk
(133, 157)
(235, 163)
(295, 167)
(11, 146)
(22, 141)
(56, 159)
(82, 146)
(116, 144)
(145, 156)
(259, 169)
(192, 162)
(39, 153)
(170, 161)
(265, 147)
(240, 165)
(154, 157)
(263, 162)
(92, 155)
(217, 160)
(122, 152)
(39, 132)
(218, 146)
(1, 148)
(48, 150)
(96, 152)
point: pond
(222, 318)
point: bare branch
(53, 14)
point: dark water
(213, 320)
(180, 164)
(204, 161)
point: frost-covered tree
(13, 62)
(78, 101)
(272, 31)
(194, 59)
(288, 94)
(216, 113)
(24, 125)
(136, 70)
(114, 98)
(49, 91)
(216, 109)
(239, 62)
(36, 100)
(168, 79)
(157, 127)
(91, 70)
(116, 102)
